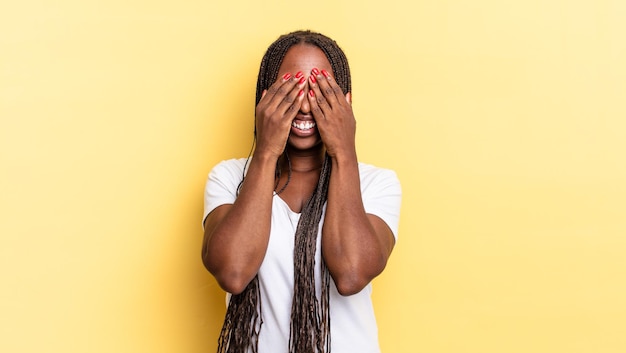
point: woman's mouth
(303, 125)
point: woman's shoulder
(234, 166)
(233, 163)
(372, 176)
(372, 171)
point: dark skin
(355, 245)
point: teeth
(305, 125)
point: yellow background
(505, 121)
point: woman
(297, 232)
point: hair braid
(310, 317)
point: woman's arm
(355, 245)
(236, 236)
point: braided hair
(310, 317)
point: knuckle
(316, 110)
(267, 112)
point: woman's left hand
(332, 111)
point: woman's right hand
(275, 111)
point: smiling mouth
(303, 125)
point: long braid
(310, 320)
(310, 317)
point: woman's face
(304, 58)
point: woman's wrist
(265, 156)
(344, 157)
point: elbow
(231, 285)
(353, 281)
(229, 279)
(351, 285)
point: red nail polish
(325, 73)
(300, 93)
(316, 71)
(313, 79)
(302, 80)
(286, 76)
(299, 74)
(311, 93)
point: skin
(355, 245)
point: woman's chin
(304, 143)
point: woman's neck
(303, 161)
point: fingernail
(311, 93)
(313, 79)
(286, 76)
(299, 74)
(302, 80)
(316, 71)
(300, 93)
(325, 73)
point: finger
(319, 104)
(277, 91)
(276, 85)
(329, 88)
(290, 106)
(291, 103)
(317, 112)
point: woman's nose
(305, 107)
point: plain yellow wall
(505, 121)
